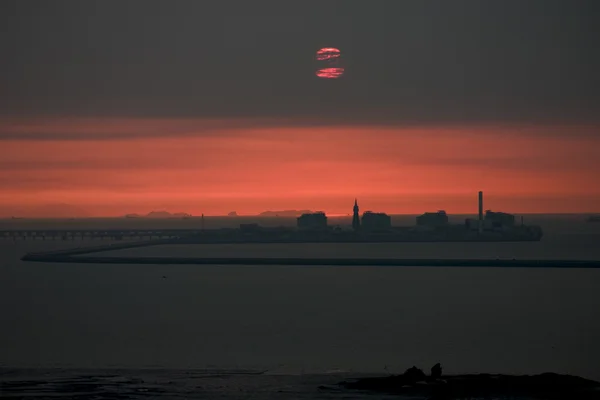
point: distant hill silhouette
(232, 214)
(285, 213)
(159, 215)
(133, 216)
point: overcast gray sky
(407, 61)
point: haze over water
(307, 319)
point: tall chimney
(480, 212)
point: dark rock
(548, 386)
(414, 375)
(436, 371)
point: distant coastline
(160, 215)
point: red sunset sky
(205, 107)
(117, 166)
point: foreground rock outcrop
(414, 382)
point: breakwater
(83, 255)
(75, 251)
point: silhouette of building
(480, 221)
(316, 220)
(478, 224)
(376, 221)
(355, 217)
(499, 219)
(431, 219)
(492, 221)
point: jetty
(82, 255)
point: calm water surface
(299, 321)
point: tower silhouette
(355, 218)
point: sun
(329, 63)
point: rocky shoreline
(545, 386)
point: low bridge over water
(79, 234)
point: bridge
(80, 234)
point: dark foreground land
(157, 383)
(547, 386)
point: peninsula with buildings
(313, 227)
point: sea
(107, 331)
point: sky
(211, 107)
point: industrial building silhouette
(378, 221)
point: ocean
(183, 331)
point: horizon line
(276, 216)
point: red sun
(329, 63)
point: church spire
(355, 217)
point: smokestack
(480, 212)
